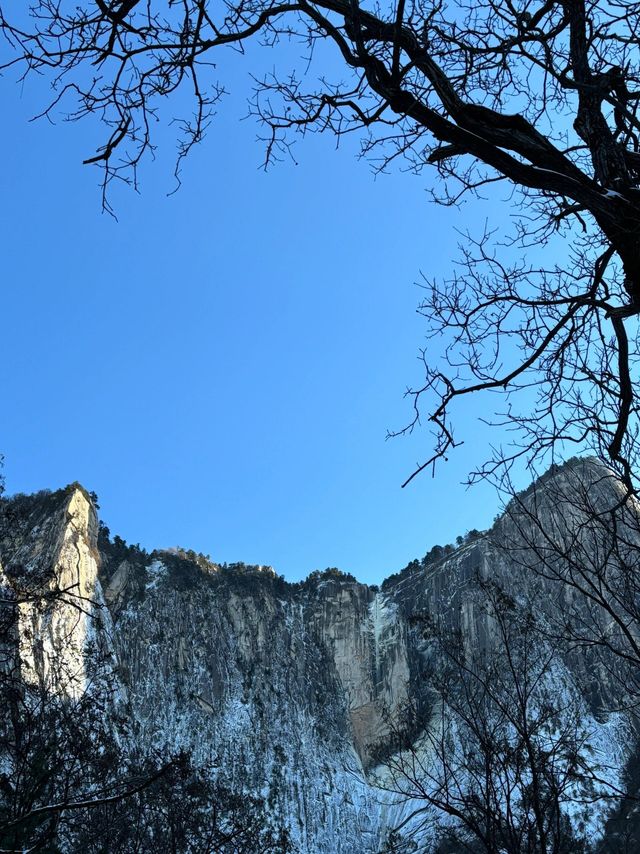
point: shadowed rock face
(285, 689)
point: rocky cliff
(308, 697)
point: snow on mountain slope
(290, 692)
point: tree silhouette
(542, 97)
(496, 762)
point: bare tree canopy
(503, 758)
(542, 96)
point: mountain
(328, 708)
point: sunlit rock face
(288, 691)
(50, 546)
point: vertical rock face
(365, 643)
(289, 692)
(51, 547)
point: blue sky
(221, 366)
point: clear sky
(221, 365)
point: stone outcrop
(289, 690)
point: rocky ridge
(291, 692)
